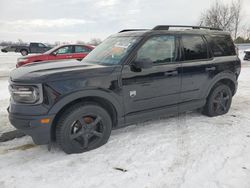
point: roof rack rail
(166, 27)
(127, 30)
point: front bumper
(32, 126)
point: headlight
(25, 94)
(22, 59)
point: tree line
(229, 17)
(93, 42)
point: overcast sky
(72, 20)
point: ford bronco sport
(133, 76)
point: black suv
(133, 76)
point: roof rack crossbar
(127, 30)
(166, 27)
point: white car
(247, 54)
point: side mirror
(143, 63)
(54, 53)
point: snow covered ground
(189, 150)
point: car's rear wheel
(24, 52)
(83, 127)
(218, 101)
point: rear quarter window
(222, 45)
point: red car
(76, 51)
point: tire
(83, 127)
(219, 101)
(24, 52)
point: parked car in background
(247, 55)
(72, 51)
(33, 47)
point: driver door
(65, 52)
(159, 86)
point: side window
(222, 46)
(81, 49)
(194, 48)
(159, 49)
(41, 45)
(65, 50)
(33, 44)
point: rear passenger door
(197, 66)
(80, 52)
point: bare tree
(20, 41)
(236, 10)
(95, 41)
(244, 30)
(224, 16)
(80, 42)
(57, 43)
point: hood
(57, 70)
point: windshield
(111, 51)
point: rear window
(194, 47)
(222, 45)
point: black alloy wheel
(83, 127)
(221, 102)
(87, 130)
(218, 101)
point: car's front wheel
(83, 127)
(218, 101)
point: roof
(161, 29)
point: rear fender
(221, 76)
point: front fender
(101, 93)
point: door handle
(69, 56)
(210, 69)
(171, 73)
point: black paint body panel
(135, 96)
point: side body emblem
(132, 93)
